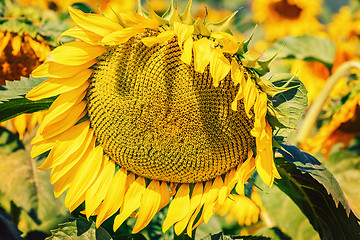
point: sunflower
(315, 74)
(287, 17)
(152, 108)
(23, 47)
(20, 54)
(342, 128)
(345, 25)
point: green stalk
(315, 109)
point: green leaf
(289, 104)
(8, 229)
(345, 166)
(18, 89)
(275, 233)
(12, 100)
(308, 48)
(316, 192)
(286, 215)
(222, 236)
(51, 210)
(28, 188)
(79, 229)
(17, 179)
(16, 107)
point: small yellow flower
(151, 108)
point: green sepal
(170, 11)
(120, 20)
(222, 26)
(200, 29)
(262, 67)
(153, 15)
(249, 60)
(270, 89)
(174, 18)
(186, 17)
(243, 46)
(140, 10)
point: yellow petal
(237, 74)
(42, 146)
(260, 110)
(227, 41)
(186, 56)
(114, 197)
(202, 54)
(75, 53)
(165, 195)
(4, 42)
(16, 44)
(85, 176)
(150, 203)
(122, 36)
(179, 207)
(64, 112)
(94, 22)
(68, 143)
(77, 203)
(264, 158)
(162, 37)
(250, 95)
(190, 226)
(55, 86)
(209, 206)
(194, 204)
(82, 34)
(228, 186)
(244, 172)
(219, 67)
(183, 32)
(84, 150)
(57, 70)
(97, 191)
(132, 201)
(67, 179)
(136, 20)
(19, 124)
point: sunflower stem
(315, 109)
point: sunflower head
(151, 108)
(23, 44)
(287, 17)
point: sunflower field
(180, 119)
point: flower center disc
(157, 117)
(286, 9)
